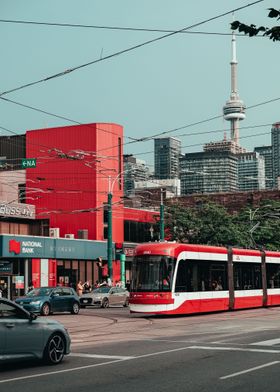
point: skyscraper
(275, 144)
(251, 171)
(134, 170)
(208, 172)
(266, 153)
(167, 153)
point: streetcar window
(195, 275)
(247, 276)
(273, 276)
(152, 273)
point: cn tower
(234, 109)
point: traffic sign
(27, 163)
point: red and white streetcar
(172, 278)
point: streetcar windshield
(152, 273)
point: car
(105, 296)
(24, 336)
(47, 300)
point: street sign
(27, 163)
(19, 282)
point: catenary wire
(126, 28)
(151, 41)
(147, 138)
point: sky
(171, 83)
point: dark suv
(46, 300)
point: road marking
(84, 355)
(250, 350)
(31, 376)
(249, 370)
(270, 342)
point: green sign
(27, 163)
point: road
(115, 351)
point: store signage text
(17, 210)
(26, 247)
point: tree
(217, 227)
(211, 224)
(180, 223)
(207, 223)
(262, 225)
(272, 32)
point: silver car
(24, 336)
(105, 296)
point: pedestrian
(127, 286)
(96, 284)
(87, 287)
(80, 288)
(30, 286)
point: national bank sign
(25, 247)
(16, 246)
(17, 210)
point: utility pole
(109, 240)
(161, 224)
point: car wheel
(55, 349)
(105, 303)
(45, 309)
(126, 303)
(75, 308)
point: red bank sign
(25, 247)
(14, 246)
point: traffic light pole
(109, 240)
(161, 224)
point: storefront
(48, 261)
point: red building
(75, 166)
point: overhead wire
(147, 138)
(134, 47)
(156, 135)
(121, 28)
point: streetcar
(171, 278)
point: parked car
(46, 300)
(23, 335)
(105, 296)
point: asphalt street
(114, 351)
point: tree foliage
(212, 224)
(252, 30)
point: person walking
(80, 288)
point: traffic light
(118, 250)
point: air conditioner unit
(69, 236)
(54, 232)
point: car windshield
(101, 290)
(40, 292)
